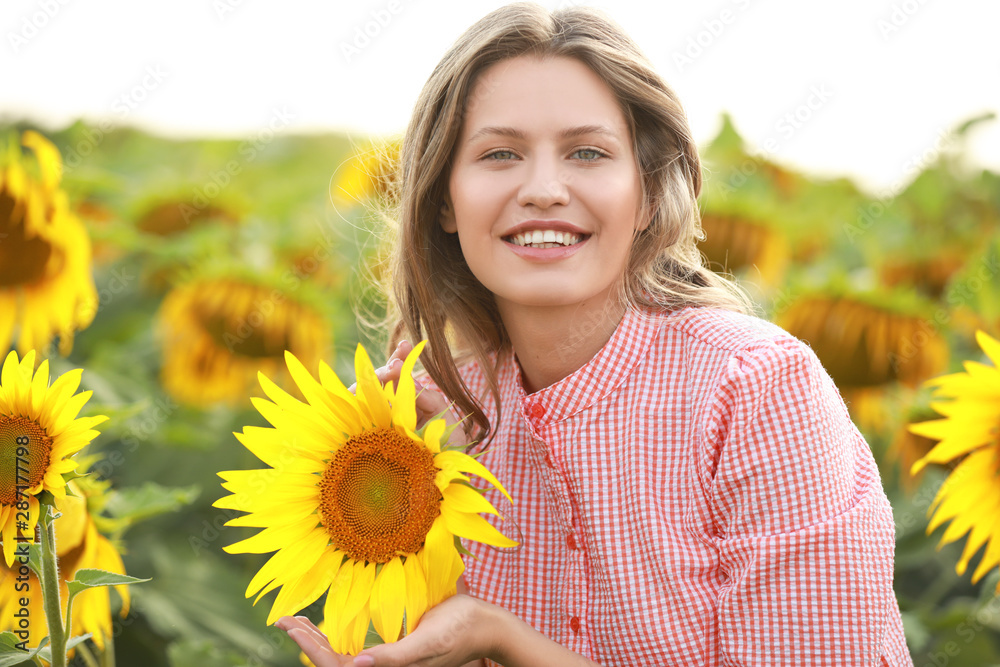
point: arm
(804, 531)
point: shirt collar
(594, 380)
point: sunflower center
(23, 261)
(25, 450)
(377, 496)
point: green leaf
(10, 655)
(149, 500)
(89, 578)
(46, 653)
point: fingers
(390, 372)
(393, 365)
(302, 623)
(312, 641)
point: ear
(447, 218)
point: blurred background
(219, 157)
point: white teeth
(548, 238)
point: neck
(553, 342)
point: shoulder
(736, 370)
(732, 343)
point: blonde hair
(436, 295)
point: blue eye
(494, 155)
(594, 154)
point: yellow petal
(432, 435)
(473, 527)
(280, 564)
(436, 559)
(363, 578)
(271, 539)
(307, 589)
(466, 499)
(404, 410)
(387, 598)
(989, 345)
(49, 162)
(416, 592)
(370, 389)
(454, 460)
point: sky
(863, 88)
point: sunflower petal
(473, 526)
(416, 592)
(370, 389)
(404, 410)
(989, 345)
(454, 460)
(387, 598)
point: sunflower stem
(68, 624)
(108, 654)
(50, 589)
(87, 656)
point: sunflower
(79, 545)
(218, 333)
(45, 263)
(43, 420)
(928, 274)
(866, 344)
(357, 503)
(99, 220)
(737, 243)
(368, 173)
(168, 218)
(970, 496)
(906, 448)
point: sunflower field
(155, 281)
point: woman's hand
(451, 634)
(459, 630)
(312, 642)
(429, 403)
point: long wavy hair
(433, 293)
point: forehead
(530, 92)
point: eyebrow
(568, 133)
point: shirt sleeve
(804, 531)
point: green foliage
(11, 655)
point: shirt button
(536, 411)
(574, 625)
(571, 541)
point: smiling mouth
(545, 239)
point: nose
(546, 184)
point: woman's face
(544, 191)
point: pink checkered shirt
(696, 494)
